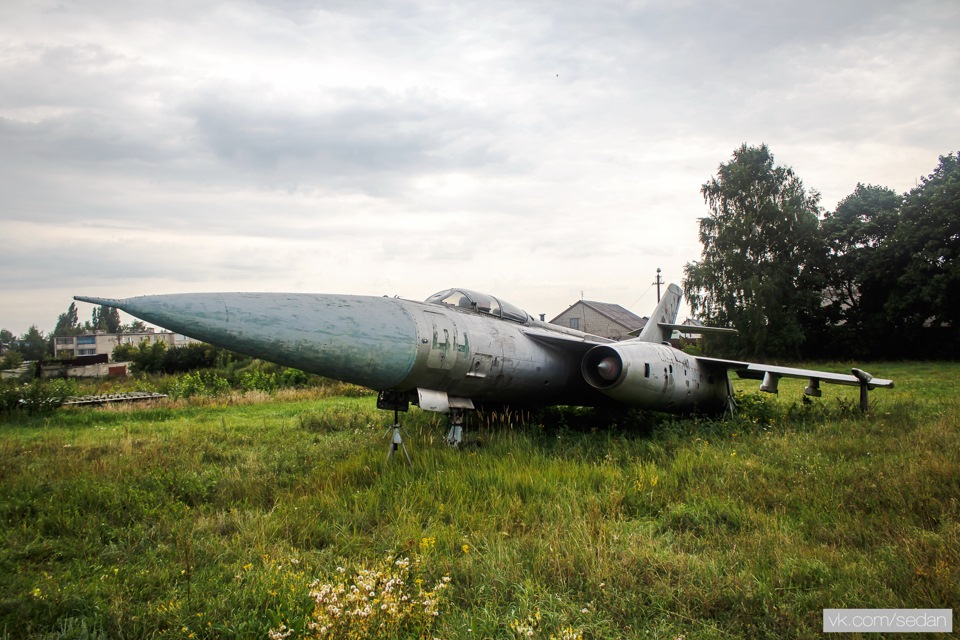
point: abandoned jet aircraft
(461, 348)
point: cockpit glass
(511, 312)
(466, 299)
(437, 297)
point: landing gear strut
(731, 404)
(396, 441)
(398, 402)
(455, 432)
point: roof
(615, 312)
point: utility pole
(658, 282)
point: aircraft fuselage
(378, 342)
(460, 347)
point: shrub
(294, 378)
(189, 358)
(9, 398)
(757, 408)
(199, 383)
(148, 357)
(37, 396)
(258, 380)
(692, 348)
(124, 353)
(11, 360)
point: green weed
(210, 517)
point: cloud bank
(534, 150)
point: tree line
(875, 278)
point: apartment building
(102, 343)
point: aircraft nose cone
(609, 369)
(366, 340)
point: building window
(87, 352)
(64, 340)
(87, 340)
(575, 323)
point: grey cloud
(117, 258)
(77, 106)
(165, 116)
(370, 132)
(726, 63)
(101, 262)
(73, 77)
(81, 138)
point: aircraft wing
(765, 372)
(578, 343)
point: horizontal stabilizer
(687, 328)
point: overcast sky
(532, 150)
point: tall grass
(211, 517)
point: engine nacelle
(655, 376)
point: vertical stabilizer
(666, 312)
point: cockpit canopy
(483, 303)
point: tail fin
(665, 313)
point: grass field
(213, 518)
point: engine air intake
(602, 367)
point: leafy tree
(856, 286)
(11, 359)
(137, 326)
(33, 346)
(124, 353)
(190, 357)
(762, 250)
(68, 324)
(106, 319)
(149, 357)
(922, 256)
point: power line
(645, 292)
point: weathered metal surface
(364, 340)
(655, 376)
(461, 347)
